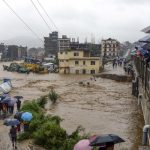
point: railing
(143, 69)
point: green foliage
(24, 136)
(42, 101)
(50, 135)
(53, 96)
(31, 106)
(46, 130)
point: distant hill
(24, 41)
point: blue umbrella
(27, 116)
(11, 122)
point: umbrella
(83, 145)
(12, 102)
(106, 139)
(11, 122)
(27, 116)
(18, 97)
(6, 100)
(18, 115)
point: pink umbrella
(83, 145)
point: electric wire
(50, 19)
(22, 20)
(40, 15)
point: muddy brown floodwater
(103, 107)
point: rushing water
(102, 107)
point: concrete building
(110, 48)
(78, 62)
(51, 43)
(2, 48)
(22, 52)
(12, 52)
(63, 43)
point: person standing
(18, 104)
(13, 136)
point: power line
(41, 15)
(22, 20)
(47, 15)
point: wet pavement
(101, 106)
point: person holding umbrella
(18, 102)
(13, 130)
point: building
(110, 48)
(22, 52)
(36, 53)
(63, 43)
(12, 52)
(2, 48)
(51, 43)
(78, 62)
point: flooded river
(103, 107)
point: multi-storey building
(2, 48)
(63, 43)
(12, 52)
(78, 62)
(110, 48)
(51, 43)
(22, 52)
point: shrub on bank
(46, 130)
(53, 96)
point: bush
(50, 135)
(24, 136)
(42, 101)
(53, 96)
(46, 130)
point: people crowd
(7, 104)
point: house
(78, 62)
(110, 48)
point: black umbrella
(11, 122)
(18, 97)
(106, 139)
(18, 115)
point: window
(61, 52)
(84, 71)
(77, 71)
(83, 62)
(76, 62)
(76, 54)
(92, 62)
(92, 71)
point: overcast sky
(119, 19)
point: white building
(110, 48)
(63, 43)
